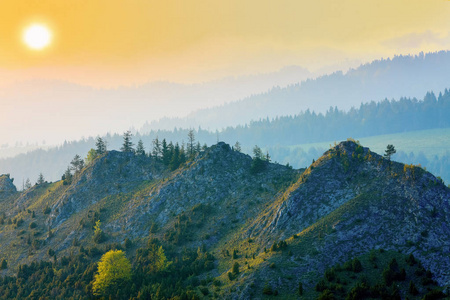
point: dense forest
(276, 135)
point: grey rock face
(6, 184)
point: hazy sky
(125, 42)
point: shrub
(267, 290)
(412, 289)
(230, 276)
(356, 266)
(411, 260)
(128, 243)
(204, 290)
(330, 274)
(3, 264)
(326, 295)
(321, 286)
(235, 268)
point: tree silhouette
(390, 150)
(191, 143)
(41, 179)
(101, 145)
(140, 150)
(127, 145)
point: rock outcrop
(6, 185)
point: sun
(37, 36)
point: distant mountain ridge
(61, 110)
(401, 76)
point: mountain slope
(280, 226)
(349, 202)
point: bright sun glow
(37, 37)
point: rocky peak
(6, 184)
(110, 174)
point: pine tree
(101, 146)
(267, 156)
(27, 184)
(257, 153)
(156, 151)
(41, 179)
(235, 268)
(127, 145)
(166, 152)
(67, 176)
(175, 161)
(3, 264)
(191, 145)
(77, 164)
(140, 150)
(390, 150)
(237, 147)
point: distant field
(431, 142)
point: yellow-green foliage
(161, 262)
(97, 229)
(114, 272)
(92, 154)
(409, 171)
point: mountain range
(254, 230)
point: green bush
(267, 290)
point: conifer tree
(166, 153)
(3, 264)
(175, 161)
(140, 150)
(77, 163)
(156, 151)
(390, 150)
(101, 146)
(127, 145)
(27, 184)
(191, 143)
(41, 179)
(237, 147)
(67, 176)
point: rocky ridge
(346, 203)
(351, 201)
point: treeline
(374, 118)
(369, 119)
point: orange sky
(126, 42)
